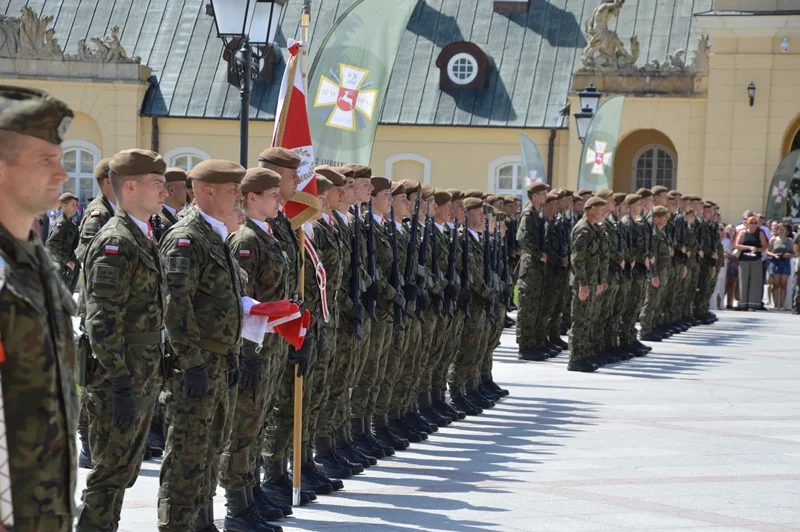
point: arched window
(408, 167)
(185, 157)
(80, 158)
(506, 177)
(652, 166)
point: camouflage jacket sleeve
(477, 282)
(663, 258)
(616, 251)
(61, 239)
(529, 234)
(248, 255)
(383, 262)
(90, 226)
(553, 238)
(344, 233)
(443, 257)
(110, 261)
(605, 253)
(581, 239)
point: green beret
(604, 193)
(360, 171)
(336, 178)
(409, 185)
(397, 188)
(379, 184)
(137, 162)
(175, 175)
(281, 157)
(323, 184)
(101, 170)
(441, 197)
(551, 197)
(473, 193)
(618, 197)
(67, 196)
(644, 193)
(708, 204)
(346, 171)
(509, 200)
(658, 189)
(593, 202)
(660, 211)
(583, 192)
(34, 113)
(632, 199)
(259, 179)
(492, 198)
(568, 192)
(427, 192)
(674, 194)
(536, 187)
(455, 193)
(218, 172)
(473, 203)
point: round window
(462, 69)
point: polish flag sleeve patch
(184, 243)
(111, 250)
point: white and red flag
(277, 317)
(292, 132)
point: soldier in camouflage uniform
(708, 236)
(692, 264)
(204, 323)
(638, 277)
(62, 240)
(614, 272)
(556, 269)
(533, 261)
(585, 281)
(35, 317)
(659, 276)
(125, 301)
(680, 270)
(261, 366)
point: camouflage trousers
(451, 346)
(332, 415)
(395, 362)
(319, 390)
(495, 331)
(552, 300)
(702, 297)
(44, 523)
(581, 344)
(471, 349)
(438, 351)
(605, 314)
(621, 301)
(633, 307)
(429, 330)
(70, 277)
(403, 395)
(688, 290)
(599, 305)
(196, 434)
(365, 393)
(677, 283)
(652, 303)
(530, 325)
(566, 302)
(344, 409)
(117, 454)
(692, 289)
(242, 450)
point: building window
(79, 161)
(462, 69)
(187, 162)
(509, 180)
(654, 165)
(185, 158)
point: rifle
(437, 274)
(410, 278)
(644, 241)
(451, 269)
(369, 302)
(158, 227)
(542, 239)
(496, 265)
(505, 275)
(619, 238)
(355, 267)
(487, 262)
(422, 268)
(466, 275)
(396, 280)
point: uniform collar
(219, 227)
(264, 226)
(451, 225)
(378, 218)
(144, 226)
(439, 227)
(475, 235)
(173, 212)
(343, 217)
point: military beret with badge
(473, 203)
(594, 201)
(218, 172)
(34, 113)
(130, 163)
(259, 179)
(336, 178)
(175, 175)
(379, 184)
(281, 157)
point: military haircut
(12, 143)
(117, 181)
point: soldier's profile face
(349, 191)
(227, 197)
(69, 208)
(363, 189)
(177, 190)
(34, 181)
(381, 202)
(272, 201)
(149, 192)
(400, 203)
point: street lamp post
(246, 26)
(589, 101)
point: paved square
(701, 435)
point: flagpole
(297, 458)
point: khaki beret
(397, 188)
(708, 204)
(551, 197)
(584, 192)
(631, 199)
(175, 175)
(674, 193)
(67, 196)
(492, 198)
(473, 193)
(137, 162)
(658, 189)
(259, 179)
(644, 193)
(442, 197)
(594, 201)
(218, 172)
(484, 195)
(576, 197)
(491, 210)
(535, 188)
(427, 192)
(331, 174)
(659, 211)
(568, 192)
(455, 193)
(281, 157)
(509, 200)
(473, 203)
(101, 170)
(409, 185)
(34, 113)
(604, 193)
(619, 197)
(360, 171)
(379, 184)
(323, 184)
(694, 198)
(346, 171)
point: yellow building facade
(694, 129)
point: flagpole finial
(305, 16)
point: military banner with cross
(600, 146)
(784, 191)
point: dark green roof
(533, 54)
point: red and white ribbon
(319, 269)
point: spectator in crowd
(718, 298)
(780, 252)
(731, 267)
(751, 243)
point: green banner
(597, 158)
(349, 78)
(784, 191)
(532, 165)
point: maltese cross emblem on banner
(346, 95)
(598, 158)
(779, 192)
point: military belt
(147, 338)
(213, 346)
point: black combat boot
(327, 463)
(308, 480)
(385, 436)
(403, 430)
(420, 423)
(488, 381)
(310, 467)
(85, 457)
(425, 401)
(441, 406)
(155, 438)
(369, 427)
(459, 399)
(265, 511)
(351, 445)
(362, 432)
(582, 365)
(343, 448)
(355, 467)
(533, 355)
(454, 412)
(277, 485)
(475, 397)
(240, 516)
(262, 501)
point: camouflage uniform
(586, 267)
(125, 300)
(616, 254)
(600, 301)
(632, 294)
(260, 256)
(677, 233)
(690, 283)
(204, 322)
(654, 296)
(625, 282)
(37, 376)
(61, 243)
(707, 244)
(530, 333)
(553, 292)
(451, 340)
